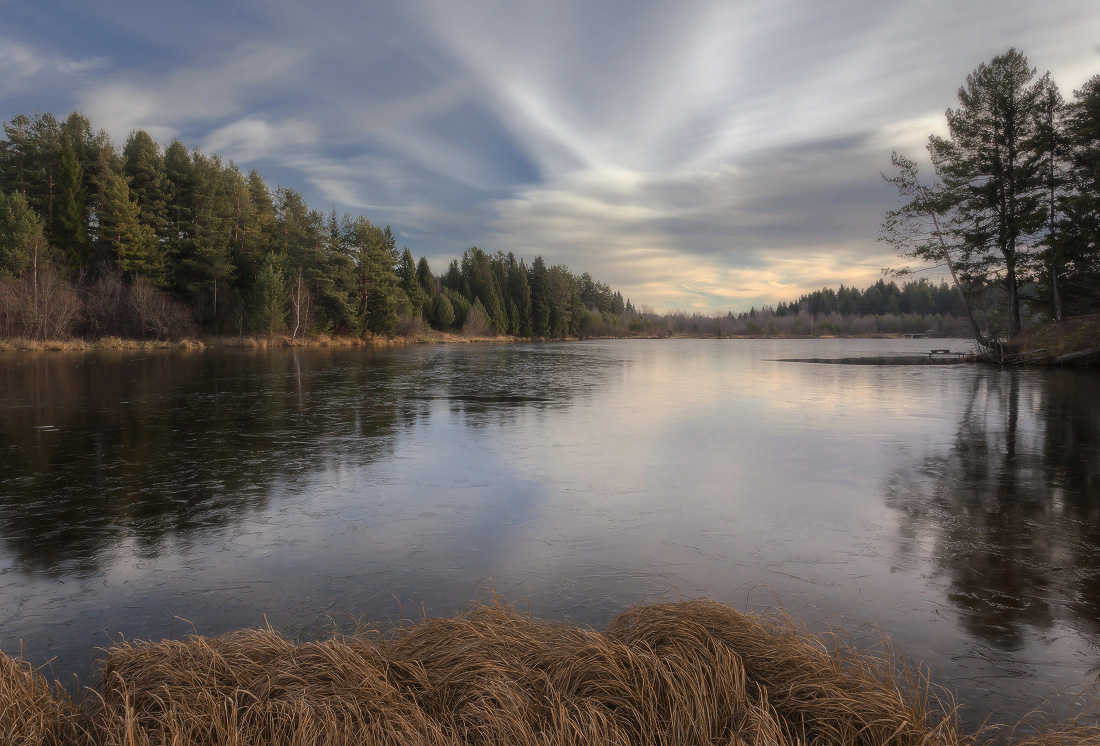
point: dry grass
(695, 672)
(1070, 335)
(33, 712)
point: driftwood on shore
(1082, 357)
(693, 672)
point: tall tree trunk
(974, 329)
(1051, 232)
(1014, 322)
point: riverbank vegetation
(694, 672)
(99, 245)
(1014, 209)
(145, 243)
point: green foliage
(270, 297)
(243, 256)
(144, 167)
(376, 279)
(21, 239)
(1011, 205)
(71, 226)
(540, 304)
(459, 305)
(425, 277)
(1079, 226)
(126, 239)
(444, 312)
(992, 180)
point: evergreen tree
(425, 277)
(180, 213)
(1080, 226)
(71, 228)
(376, 279)
(143, 165)
(29, 158)
(519, 291)
(270, 297)
(1050, 147)
(125, 239)
(98, 161)
(444, 312)
(210, 264)
(410, 284)
(992, 178)
(540, 306)
(22, 243)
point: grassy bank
(1072, 341)
(682, 673)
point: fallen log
(1082, 357)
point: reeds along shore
(695, 672)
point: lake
(955, 507)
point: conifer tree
(991, 177)
(540, 306)
(22, 243)
(125, 239)
(71, 229)
(270, 302)
(143, 165)
(425, 277)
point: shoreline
(80, 344)
(1073, 342)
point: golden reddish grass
(695, 672)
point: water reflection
(1010, 512)
(149, 448)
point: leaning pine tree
(992, 177)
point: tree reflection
(1010, 512)
(98, 450)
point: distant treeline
(141, 242)
(916, 307)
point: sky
(696, 155)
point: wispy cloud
(22, 66)
(698, 154)
(227, 85)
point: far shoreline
(1073, 342)
(205, 342)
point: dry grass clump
(695, 672)
(32, 711)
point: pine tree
(144, 167)
(540, 306)
(1080, 228)
(376, 279)
(211, 267)
(992, 178)
(71, 228)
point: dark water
(955, 506)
